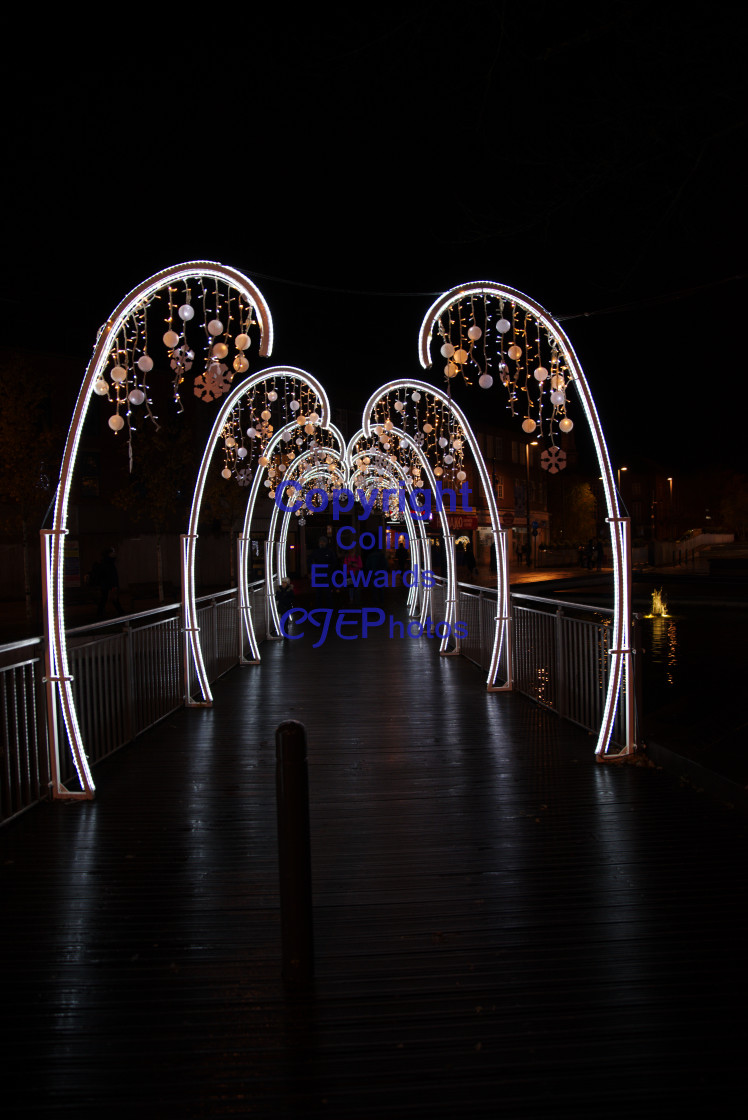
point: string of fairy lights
(205, 335)
(491, 337)
(433, 427)
(203, 338)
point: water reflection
(661, 647)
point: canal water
(695, 670)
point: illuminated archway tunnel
(411, 431)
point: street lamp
(531, 443)
(670, 509)
(619, 478)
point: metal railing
(561, 651)
(127, 675)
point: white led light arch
(193, 649)
(58, 677)
(393, 465)
(308, 472)
(502, 630)
(621, 674)
(243, 566)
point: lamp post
(528, 445)
(671, 534)
(619, 478)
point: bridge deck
(503, 927)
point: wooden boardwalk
(503, 927)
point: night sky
(356, 164)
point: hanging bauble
(265, 414)
(566, 424)
(137, 396)
(438, 471)
(170, 339)
(145, 363)
(313, 417)
(119, 374)
(503, 326)
(447, 350)
(263, 461)
(514, 352)
(442, 441)
(267, 482)
(301, 419)
(415, 396)
(449, 459)
(186, 312)
(252, 432)
(220, 350)
(388, 425)
(242, 341)
(541, 373)
(457, 444)
(272, 395)
(226, 473)
(286, 437)
(399, 406)
(241, 453)
(461, 356)
(485, 381)
(240, 364)
(215, 327)
(230, 441)
(294, 406)
(427, 428)
(451, 370)
(309, 429)
(558, 396)
(474, 333)
(271, 494)
(116, 423)
(528, 425)
(557, 381)
(299, 442)
(461, 476)
(100, 387)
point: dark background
(356, 162)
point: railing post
(562, 705)
(129, 683)
(294, 852)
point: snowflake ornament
(213, 383)
(553, 460)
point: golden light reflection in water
(663, 645)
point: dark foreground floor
(504, 928)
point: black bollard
(294, 852)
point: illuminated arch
(621, 675)
(502, 631)
(193, 650)
(394, 471)
(58, 677)
(243, 567)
